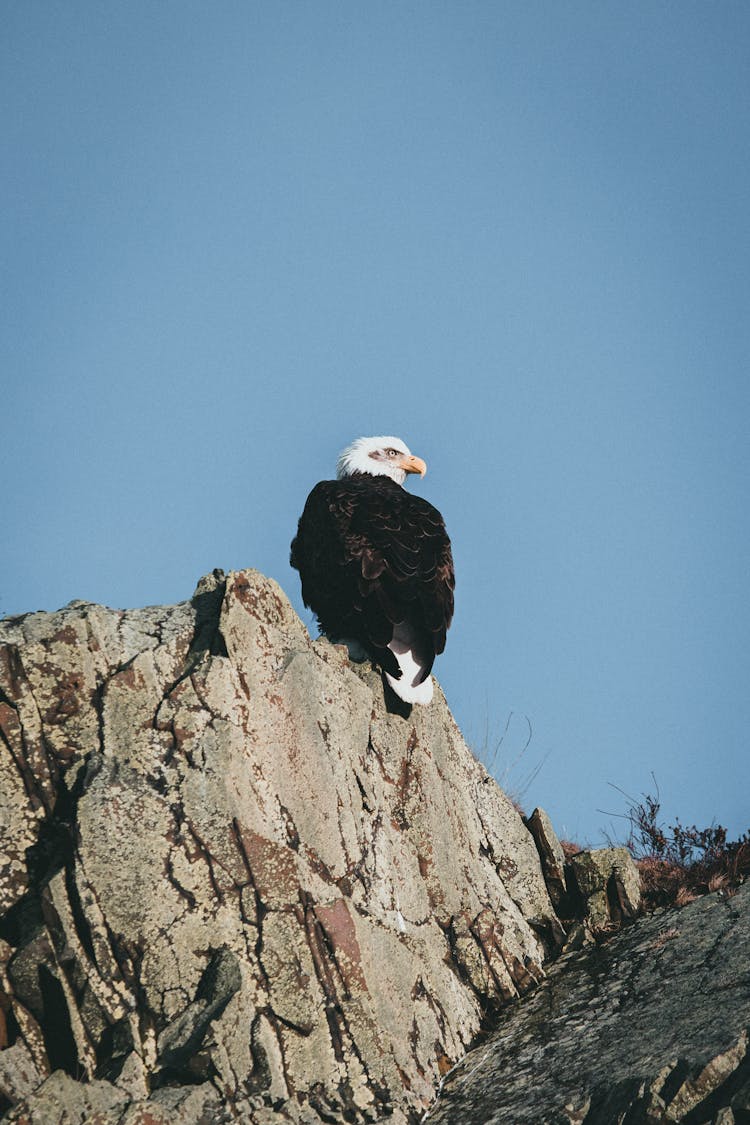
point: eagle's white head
(379, 456)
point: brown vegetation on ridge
(677, 863)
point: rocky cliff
(233, 884)
(650, 1027)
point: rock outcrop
(233, 884)
(651, 1027)
(594, 893)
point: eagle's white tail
(412, 665)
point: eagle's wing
(371, 556)
(408, 554)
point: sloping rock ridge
(651, 1027)
(233, 884)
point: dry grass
(570, 848)
(679, 862)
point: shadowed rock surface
(650, 1027)
(233, 885)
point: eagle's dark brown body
(372, 556)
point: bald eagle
(375, 564)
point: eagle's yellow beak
(412, 464)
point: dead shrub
(679, 862)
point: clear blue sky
(235, 236)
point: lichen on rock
(649, 1027)
(232, 881)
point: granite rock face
(651, 1027)
(594, 893)
(608, 882)
(233, 884)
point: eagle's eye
(392, 452)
